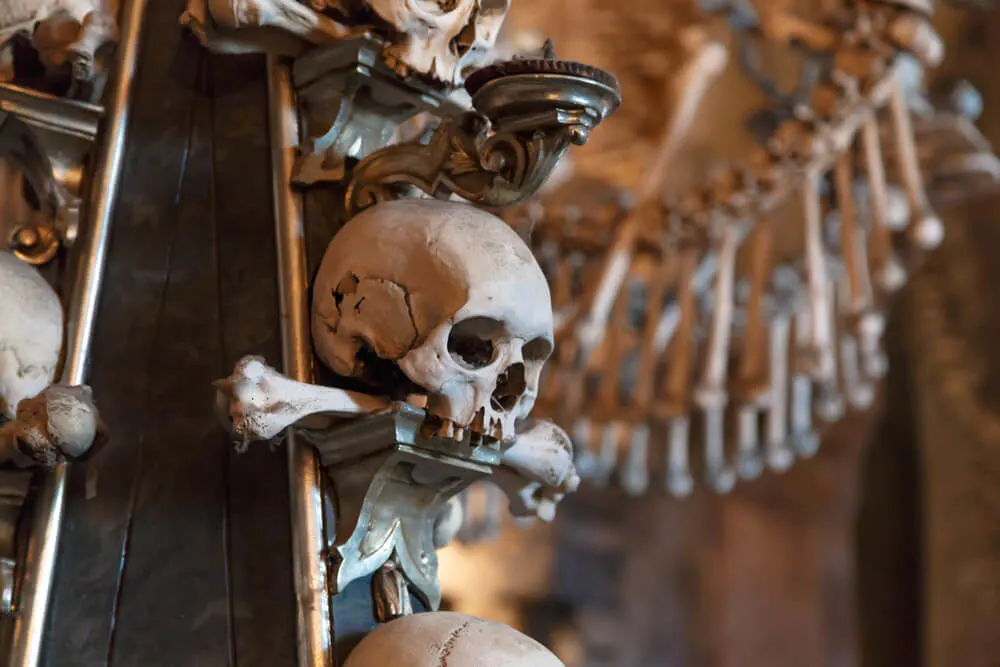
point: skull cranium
(31, 331)
(433, 639)
(439, 298)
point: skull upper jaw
(440, 40)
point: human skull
(31, 332)
(449, 639)
(442, 39)
(440, 298)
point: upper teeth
(479, 430)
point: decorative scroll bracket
(504, 151)
(351, 103)
(391, 483)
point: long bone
(237, 26)
(634, 474)
(830, 401)
(262, 404)
(859, 390)
(710, 394)
(926, 229)
(675, 397)
(860, 297)
(778, 455)
(865, 323)
(889, 271)
(700, 70)
(803, 437)
(614, 347)
(820, 352)
(753, 384)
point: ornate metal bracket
(391, 483)
(48, 140)
(351, 103)
(527, 114)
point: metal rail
(314, 641)
(46, 523)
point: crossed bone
(261, 404)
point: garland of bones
(751, 317)
(730, 317)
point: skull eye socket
(470, 342)
(538, 349)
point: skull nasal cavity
(510, 387)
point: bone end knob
(721, 480)
(928, 232)
(830, 405)
(679, 484)
(780, 457)
(750, 465)
(892, 276)
(806, 444)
